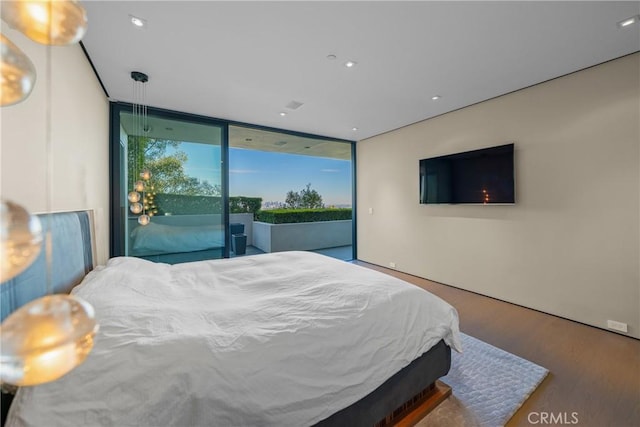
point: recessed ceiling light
(138, 22)
(629, 21)
(354, 129)
(282, 113)
(331, 57)
(350, 64)
(436, 97)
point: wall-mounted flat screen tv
(483, 176)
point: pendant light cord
(49, 159)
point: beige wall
(570, 245)
(79, 139)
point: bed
(291, 338)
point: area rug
(489, 385)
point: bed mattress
(271, 340)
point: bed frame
(72, 257)
(402, 400)
(415, 410)
(72, 254)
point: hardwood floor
(594, 374)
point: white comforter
(282, 339)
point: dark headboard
(72, 254)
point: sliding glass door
(288, 175)
(169, 204)
(190, 188)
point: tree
(293, 200)
(307, 198)
(167, 171)
(310, 198)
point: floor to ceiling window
(291, 174)
(216, 189)
(170, 190)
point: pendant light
(49, 336)
(141, 197)
(18, 73)
(51, 22)
(20, 237)
(45, 339)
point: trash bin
(238, 238)
(236, 228)
(239, 244)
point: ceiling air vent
(293, 105)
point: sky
(271, 175)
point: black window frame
(116, 222)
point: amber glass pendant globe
(20, 239)
(18, 75)
(133, 196)
(145, 174)
(144, 219)
(135, 208)
(52, 22)
(45, 339)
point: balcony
(332, 238)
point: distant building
(272, 205)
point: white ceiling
(245, 61)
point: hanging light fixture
(50, 336)
(45, 339)
(51, 22)
(141, 197)
(21, 238)
(18, 73)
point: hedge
(284, 216)
(178, 204)
(241, 204)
